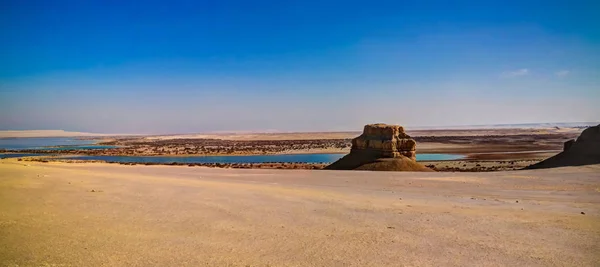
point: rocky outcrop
(584, 150)
(381, 147)
(389, 141)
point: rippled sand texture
(58, 214)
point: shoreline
(29, 151)
(464, 165)
(97, 152)
(471, 162)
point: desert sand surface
(289, 135)
(96, 214)
(352, 134)
(260, 136)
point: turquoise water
(63, 143)
(17, 155)
(303, 158)
(48, 143)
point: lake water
(65, 143)
(17, 155)
(304, 158)
(48, 143)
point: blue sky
(197, 66)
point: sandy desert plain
(98, 214)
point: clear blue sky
(196, 66)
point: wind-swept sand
(176, 216)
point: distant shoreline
(462, 165)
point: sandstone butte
(584, 150)
(381, 147)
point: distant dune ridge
(381, 147)
(584, 150)
(304, 135)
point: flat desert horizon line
(64, 133)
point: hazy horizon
(358, 128)
(186, 67)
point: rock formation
(381, 147)
(584, 150)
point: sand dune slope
(182, 216)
